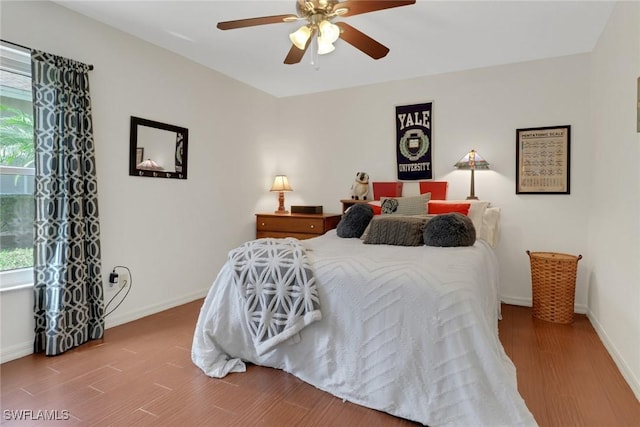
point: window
(16, 167)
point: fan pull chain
(314, 52)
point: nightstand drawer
(290, 224)
(300, 226)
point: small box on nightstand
(306, 209)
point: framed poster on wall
(543, 160)
(414, 142)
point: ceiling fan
(319, 31)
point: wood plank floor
(141, 374)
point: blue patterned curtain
(69, 306)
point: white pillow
(490, 230)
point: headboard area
(387, 189)
(438, 189)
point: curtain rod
(28, 48)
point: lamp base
(472, 189)
(281, 210)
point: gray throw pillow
(396, 230)
(355, 220)
(449, 230)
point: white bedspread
(411, 331)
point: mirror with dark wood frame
(157, 150)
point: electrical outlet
(123, 280)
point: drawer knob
(313, 226)
(262, 223)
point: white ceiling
(430, 37)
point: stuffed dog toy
(360, 188)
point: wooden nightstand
(300, 226)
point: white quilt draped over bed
(411, 331)
(276, 282)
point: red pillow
(443, 208)
(377, 209)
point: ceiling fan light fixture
(319, 30)
(324, 46)
(299, 38)
(329, 32)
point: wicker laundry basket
(553, 280)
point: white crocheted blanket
(278, 288)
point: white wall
(173, 234)
(614, 222)
(478, 109)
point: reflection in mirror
(157, 149)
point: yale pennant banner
(414, 141)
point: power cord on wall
(124, 285)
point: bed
(408, 330)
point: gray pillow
(413, 205)
(355, 220)
(448, 230)
(396, 230)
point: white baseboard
(130, 316)
(527, 302)
(626, 372)
(26, 348)
(16, 351)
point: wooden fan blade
(295, 55)
(356, 7)
(361, 41)
(251, 22)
